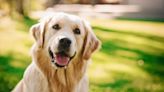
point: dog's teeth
(65, 67)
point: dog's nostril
(68, 42)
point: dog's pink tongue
(62, 60)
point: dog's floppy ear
(91, 42)
(38, 32)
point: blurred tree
(50, 3)
(15, 7)
(22, 6)
(19, 6)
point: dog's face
(65, 37)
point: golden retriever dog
(60, 55)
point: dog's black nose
(65, 41)
(64, 44)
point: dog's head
(65, 37)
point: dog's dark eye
(76, 31)
(56, 27)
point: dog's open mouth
(60, 59)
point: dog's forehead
(63, 17)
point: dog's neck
(60, 80)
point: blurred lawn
(131, 58)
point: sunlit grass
(155, 28)
(141, 42)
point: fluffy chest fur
(42, 75)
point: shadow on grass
(10, 75)
(152, 37)
(107, 87)
(153, 63)
(143, 19)
(117, 84)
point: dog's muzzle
(61, 58)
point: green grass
(143, 19)
(131, 58)
(15, 44)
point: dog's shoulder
(34, 79)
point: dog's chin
(60, 59)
